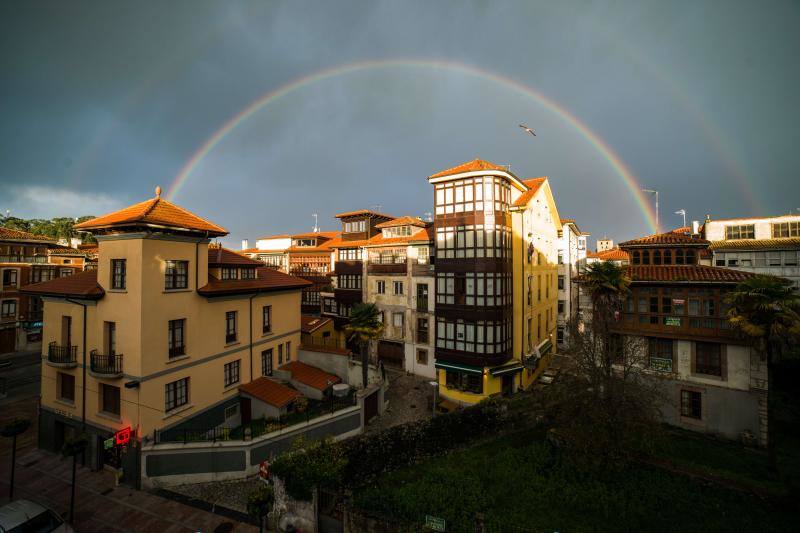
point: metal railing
(109, 364)
(62, 354)
(23, 259)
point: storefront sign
(672, 321)
(123, 436)
(108, 443)
(661, 364)
(434, 523)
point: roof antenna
(377, 207)
(316, 227)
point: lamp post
(682, 212)
(435, 385)
(654, 192)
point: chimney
(695, 227)
(245, 244)
(708, 218)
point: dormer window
(230, 273)
(744, 231)
(248, 273)
(397, 231)
(304, 242)
(356, 226)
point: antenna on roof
(377, 207)
(316, 227)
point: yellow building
(496, 280)
(161, 335)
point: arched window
(636, 257)
(679, 256)
(656, 257)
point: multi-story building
(605, 244)
(161, 335)
(358, 227)
(305, 255)
(713, 381)
(496, 272)
(765, 245)
(399, 280)
(571, 251)
(73, 259)
(24, 258)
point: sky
(103, 101)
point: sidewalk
(99, 507)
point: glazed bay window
(231, 371)
(350, 254)
(176, 394)
(176, 275)
(118, 268)
(474, 289)
(481, 336)
(230, 327)
(744, 231)
(356, 226)
(487, 194)
(348, 281)
(691, 404)
(176, 337)
(388, 257)
(473, 241)
(661, 353)
(465, 382)
(708, 358)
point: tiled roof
(684, 230)
(533, 185)
(469, 166)
(8, 234)
(685, 273)
(310, 324)
(81, 285)
(614, 254)
(402, 221)
(567, 220)
(268, 237)
(338, 242)
(312, 234)
(154, 212)
(218, 256)
(756, 244)
(668, 238)
(310, 375)
(364, 212)
(65, 250)
(421, 235)
(270, 391)
(267, 280)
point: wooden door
(244, 407)
(391, 353)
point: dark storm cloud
(101, 101)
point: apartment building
(571, 252)
(399, 280)
(761, 245)
(160, 336)
(305, 255)
(25, 258)
(496, 275)
(713, 381)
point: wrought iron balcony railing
(106, 364)
(62, 355)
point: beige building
(161, 335)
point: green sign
(435, 523)
(661, 364)
(108, 443)
(672, 321)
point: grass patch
(519, 482)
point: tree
(767, 309)
(259, 503)
(14, 428)
(607, 285)
(365, 325)
(73, 448)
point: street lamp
(653, 191)
(435, 385)
(682, 212)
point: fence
(319, 341)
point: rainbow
(602, 148)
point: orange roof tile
(312, 234)
(310, 375)
(756, 244)
(614, 254)
(402, 221)
(219, 256)
(668, 238)
(685, 274)
(364, 212)
(270, 391)
(469, 166)
(421, 235)
(533, 185)
(8, 234)
(310, 324)
(268, 237)
(81, 285)
(65, 250)
(267, 280)
(154, 212)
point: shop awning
(516, 366)
(455, 367)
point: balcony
(422, 269)
(62, 356)
(23, 259)
(387, 268)
(106, 365)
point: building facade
(767, 245)
(713, 380)
(571, 252)
(161, 335)
(496, 274)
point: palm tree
(607, 283)
(365, 325)
(13, 429)
(765, 308)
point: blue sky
(102, 101)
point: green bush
(318, 464)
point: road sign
(435, 523)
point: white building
(765, 245)
(571, 251)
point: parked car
(25, 516)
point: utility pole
(316, 226)
(654, 192)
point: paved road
(20, 374)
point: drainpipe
(250, 330)
(83, 351)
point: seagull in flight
(527, 129)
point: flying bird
(527, 129)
